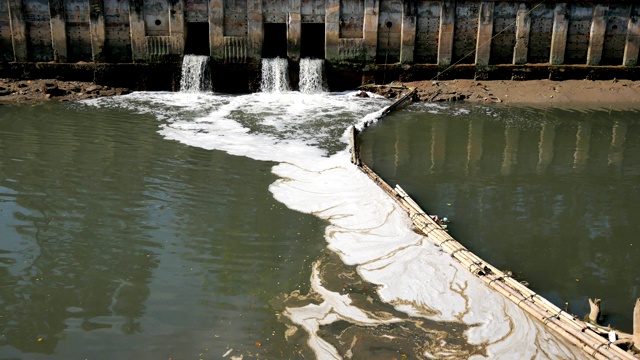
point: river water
(175, 225)
(550, 194)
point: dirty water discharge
(200, 225)
(275, 75)
(195, 74)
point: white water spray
(275, 75)
(312, 80)
(196, 76)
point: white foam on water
(366, 228)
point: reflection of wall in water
(551, 194)
(86, 269)
(482, 146)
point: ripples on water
(179, 251)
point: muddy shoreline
(590, 93)
(544, 92)
(36, 91)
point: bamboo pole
(594, 310)
(636, 324)
(566, 325)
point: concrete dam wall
(360, 39)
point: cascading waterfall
(312, 78)
(196, 76)
(275, 75)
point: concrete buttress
(447, 26)
(408, 35)
(633, 38)
(294, 30)
(559, 35)
(18, 30)
(216, 30)
(97, 29)
(485, 32)
(137, 31)
(523, 29)
(596, 35)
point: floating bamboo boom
(566, 325)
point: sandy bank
(558, 93)
(585, 93)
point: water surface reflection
(117, 243)
(551, 194)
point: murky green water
(116, 243)
(125, 234)
(552, 195)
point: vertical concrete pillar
(523, 29)
(596, 35)
(332, 30)
(370, 36)
(255, 30)
(408, 32)
(294, 30)
(216, 29)
(18, 30)
(137, 31)
(176, 25)
(97, 29)
(58, 30)
(447, 27)
(633, 38)
(559, 34)
(485, 32)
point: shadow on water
(549, 193)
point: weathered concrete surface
(18, 30)
(633, 38)
(294, 30)
(370, 29)
(485, 32)
(97, 29)
(596, 37)
(58, 30)
(137, 29)
(255, 33)
(479, 39)
(523, 28)
(408, 35)
(447, 24)
(147, 76)
(332, 31)
(358, 32)
(559, 36)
